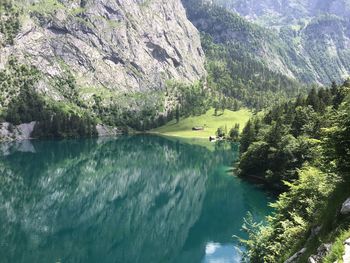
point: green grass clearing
(209, 121)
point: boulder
(345, 210)
(9, 132)
(346, 257)
(296, 256)
(322, 251)
(105, 131)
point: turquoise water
(131, 199)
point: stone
(105, 131)
(346, 257)
(322, 251)
(9, 132)
(296, 256)
(345, 210)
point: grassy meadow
(209, 121)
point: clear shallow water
(133, 199)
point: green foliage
(295, 211)
(221, 132)
(67, 86)
(191, 99)
(9, 21)
(338, 248)
(304, 146)
(234, 133)
(147, 110)
(240, 78)
(275, 146)
(45, 8)
(235, 71)
(59, 124)
(17, 89)
(24, 104)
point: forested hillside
(302, 149)
(310, 49)
(286, 12)
(241, 80)
(94, 58)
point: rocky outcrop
(346, 257)
(296, 256)
(103, 130)
(345, 210)
(103, 56)
(321, 253)
(9, 132)
(121, 46)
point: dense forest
(235, 79)
(302, 149)
(23, 105)
(9, 22)
(234, 70)
(71, 116)
(243, 80)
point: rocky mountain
(114, 50)
(304, 40)
(285, 12)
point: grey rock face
(346, 257)
(9, 132)
(104, 131)
(309, 40)
(124, 45)
(282, 12)
(345, 210)
(321, 253)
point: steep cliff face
(115, 46)
(325, 45)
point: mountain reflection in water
(130, 199)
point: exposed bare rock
(321, 253)
(345, 210)
(296, 256)
(124, 46)
(9, 132)
(346, 257)
(104, 131)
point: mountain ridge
(292, 50)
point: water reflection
(131, 199)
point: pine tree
(177, 113)
(248, 136)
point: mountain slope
(96, 38)
(308, 50)
(108, 52)
(285, 12)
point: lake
(139, 199)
